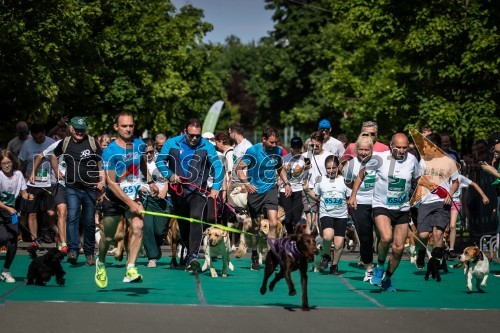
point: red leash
(178, 189)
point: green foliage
(98, 58)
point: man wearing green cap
(84, 179)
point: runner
(394, 171)
(121, 161)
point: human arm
(490, 169)
(243, 178)
(355, 187)
(284, 178)
(486, 200)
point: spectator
(330, 144)
(15, 145)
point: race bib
(41, 175)
(130, 189)
(332, 202)
(395, 198)
(369, 182)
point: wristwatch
(288, 183)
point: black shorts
(261, 203)
(396, 216)
(42, 201)
(112, 206)
(435, 214)
(339, 225)
(58, 195)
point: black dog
(43, 268)
(290, 253)
(436, 263)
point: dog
(120, 242)
(217, 244)
(436, 263)
(41, 269)
(173, 238)
(290, 253)
(475, 264)
(263, 232)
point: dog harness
(284, 244)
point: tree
(97, 58)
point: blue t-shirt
(124, 161)
(262, 166)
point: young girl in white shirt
(332, 193)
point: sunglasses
(323, 129)
(314, 146)
(368, 134)
(194, 136)
(149, 152)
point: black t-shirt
(82, 168)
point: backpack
(92, 143)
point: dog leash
(193, 220)
(179, 190)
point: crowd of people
(411, 189)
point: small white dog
(475, 264)
(217, 243)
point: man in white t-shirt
(394, 170)
(434, 211)
(330, 144)
(237, 192)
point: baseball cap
(324, 124)
(209, 136)
(296, 142)
(78, 123)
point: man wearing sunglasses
(330, 144)
(187, 159)
(370, 128)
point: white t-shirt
(463, 182)
(317, 170)
(333, 197)
(394, 177)
(439, 170)
(290, 163)
(10, 187)
(364, 196)
(238, 152)
(158, 178)
(334, 146)
(28, 154)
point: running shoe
(152, 263)
(193, 265)
(89, 260)
(132, 276)
(7, 277)
(387, 285)
(334, 270)
(378, 274)
(101, 278)
(325, 260)
(368, 275)
(72, 258)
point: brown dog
(217, 244)
(290, 253)
(173, 238)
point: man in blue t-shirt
(121, 164)
(263, 160)
(186, 161)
